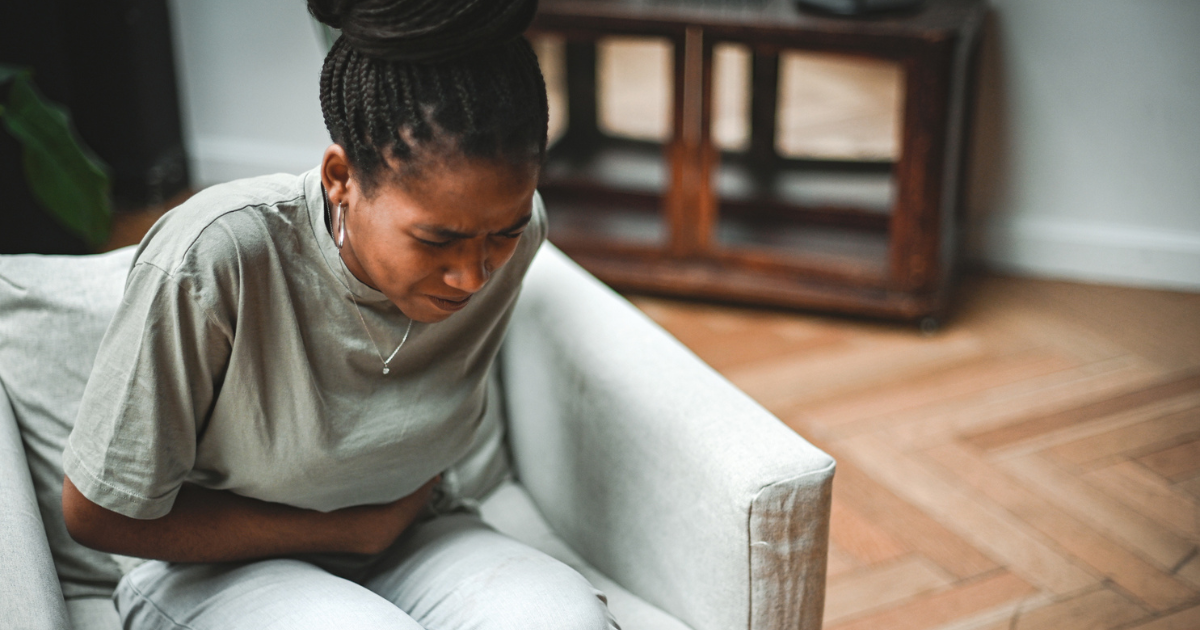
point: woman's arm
(218, 526)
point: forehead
(463, 194)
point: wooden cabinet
(876, 238)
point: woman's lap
(450, 573)
(277, 593)
(455, 573)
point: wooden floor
(1036, 464)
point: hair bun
(425, 30)
(328, 12)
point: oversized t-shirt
(236, 361)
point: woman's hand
(219, 526)
(372, 528)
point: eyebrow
(447, 233)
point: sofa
(609, 446)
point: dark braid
(479, 102)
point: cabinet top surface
(935, 19)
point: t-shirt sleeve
(151, 389)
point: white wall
(1087, 160)
(1086, 163)
(248, 73)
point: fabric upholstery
(510, 510)
(486, 465)
(29, 589)
(789, 534)
(53, 312)
(653, 467)
(93, 613)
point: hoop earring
(341, 235)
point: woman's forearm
(216, 526)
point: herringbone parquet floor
(1035, 465)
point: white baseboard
(217, 159)
(1092, 252)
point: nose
(471, 269)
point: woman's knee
(582, 610)
(555, 597)
(266, 594)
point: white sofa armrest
(30, 596)
(655, 468)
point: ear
(335, 175)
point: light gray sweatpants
(450, 573)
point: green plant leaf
(63, 175)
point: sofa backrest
(30, 595)
(53, 312)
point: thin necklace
(375, 345)
(340, 240)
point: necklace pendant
(386, 369)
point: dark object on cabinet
(859, 7)
(687, 219)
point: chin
(423, 313)
(427, 309)
(432, 318)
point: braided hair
(410, 82)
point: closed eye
(512, 232)
(438, 244)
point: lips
(447, 304)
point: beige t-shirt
(236, 361)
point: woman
(296, 359)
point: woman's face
(430, 244)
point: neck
(352, 263)
(346, 251)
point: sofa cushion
(486, 464)
(510, 510)
(53, 312)
(93, 613)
